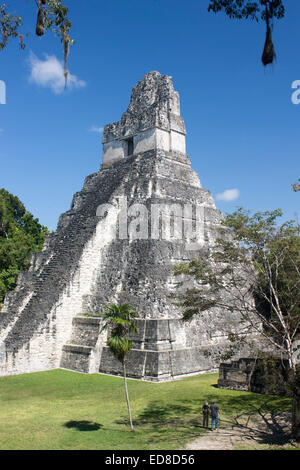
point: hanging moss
(66, 43)
(268, 55)
(40, 28)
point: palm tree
(121, 320)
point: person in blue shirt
(214, 409)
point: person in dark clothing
(214, 409)
(205, 412)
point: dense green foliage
(254, 257)
(275, 253)
(254, 10)
(253, 270)
(20, 236)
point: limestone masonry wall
(109, 247)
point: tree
(121, 320)
(265, 10)
(254, 268)
(52, 15)
(20, 236)
(296, 186)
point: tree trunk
(127, 397)
(295, 397)
(296, 418)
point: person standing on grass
(214, 409)
(205, 412)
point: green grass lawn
(62, 410)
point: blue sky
(242, 127)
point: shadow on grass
(262, 418)
(83, 425)
(184, 418)
(276, 430)
(159, 416)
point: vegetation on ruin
(66, 410)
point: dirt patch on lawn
(248, 431)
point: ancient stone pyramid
(132, 221)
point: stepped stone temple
(143, 212)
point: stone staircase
(83, 352)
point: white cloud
(96, 129)
(228, 195)
(50, 73)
